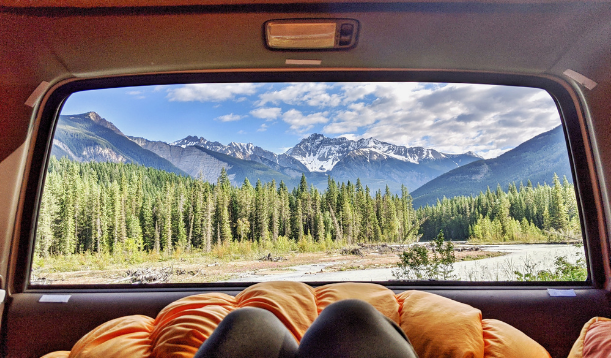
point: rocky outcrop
(191, 160)
(320, 154)
(92, 153)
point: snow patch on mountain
(247, 151)
(320, 154)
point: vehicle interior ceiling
(459, 41)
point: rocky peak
(319, 153)
(95, 118)
(473, 154)
(190, 141)
(314, 137)
(192, 138)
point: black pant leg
(250, 333)
(355, 329)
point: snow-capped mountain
(247, 151)
(88, 137)
(375, 162)
(320, 154)
(238, 150)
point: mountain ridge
(375, 162)
(320, 153)
(89, 137)
(378, 164)
(536, 159)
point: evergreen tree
(93, 207)
(558, 212)
(167, 220)
(284, 211)
(261, 209)
(297, 221)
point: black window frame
(573, 118)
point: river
(521, 257)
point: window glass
(308, 182)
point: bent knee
(248, 314)
(351, 308)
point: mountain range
(88, 137)
(376, 163)
(536, 160)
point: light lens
(301, 35)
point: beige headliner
(141, 3)
(499, 36)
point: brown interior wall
(14, 118)
(600, 109)
(41, 47)
(37, 328)
(142, 3)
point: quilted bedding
(436, 326)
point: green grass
(128, 255)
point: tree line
(522, 213)
(102, 207)
(94, 207)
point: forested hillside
(526, 213)
(99, 207)
(88, 137)
(536, 160)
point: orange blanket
(436, 326)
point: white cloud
(211, 92)
(263, 128)
(137, 94)
(311, 94)
(300, 122)
(353, 92)
(268, 113)
(229, 118)
(356, 115)
(454, 118)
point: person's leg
(249, 332)
(355, 329)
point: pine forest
(100, 207)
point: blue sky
(451, 118)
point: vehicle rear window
(324, 182)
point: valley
(256, 266)
(117, 205)
(378, 164)
(372, 263)
(428, 174)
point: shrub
(419, 262)
(563, 271)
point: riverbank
(501, 265)
(194, 268)
(373, 262)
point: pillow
(436, 326)
(594, 340)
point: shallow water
(521, 257)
